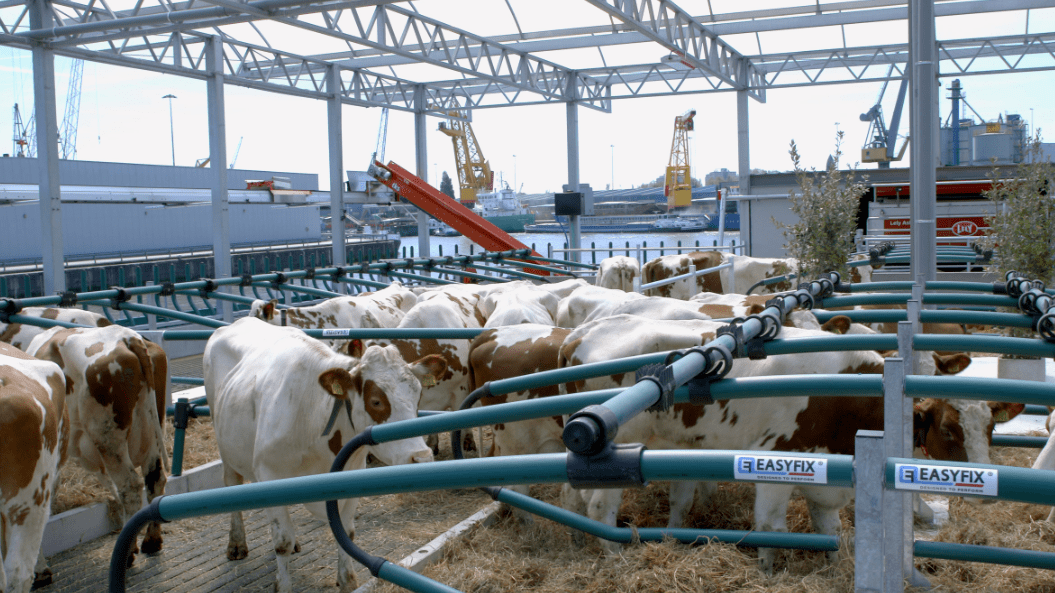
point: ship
(674, 223)
(503, 209)
(641, 223)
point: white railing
(691, 274)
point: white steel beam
(221, 218)
(335, 135)
(668, 25)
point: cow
(384, 308)
(564, 288)
(953, 430)
(20, 335)
(529, 304)
(618, 272)
(1046, 458)
(283, 405)
(516, 351)
(669, 266)
(115, 424)
(724, 306)
(34, 441)
(590, 301)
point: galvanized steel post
(897, 429)
(869, 468)
(421, 165)
(221, 217)
(40, 18)
(923, 68)
(572, 111)
(335, 134)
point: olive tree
(1022, 227)
(826, 206)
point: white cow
(34, 437)
(528, 304)
(272, 392)
(1046, 459)
(954, 430)
(112, 381)
(618, 272)
(590, 301)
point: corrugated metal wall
(25, 171)
(91, 229)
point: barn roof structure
(425, 57)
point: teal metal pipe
(464, 274)
(161, 311)
(986, 287)
(187, 335)
(937, 298)
(507, 271)
(1017, 440)
(987, 554)
(189, 380)
(220, 296)
(410, 580)
(984, 343)
(362, 282)
(571, 264)
(1001, 390)
(381, 333)
(1019, 484)
(878, 286)
(1036, 410)
(928, 316)
(528, 264)
(301, 289)
(835, 342)
(767, 539)
(420, 278)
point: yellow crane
(474, 172)
(678, 185)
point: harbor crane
(474, 172)
(678, 185)
(879, 145)
(21, 139)
(71, 119)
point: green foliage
(823, 238)
(1022, 228)
(446, 185)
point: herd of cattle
(283, 404)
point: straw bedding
(546, 558)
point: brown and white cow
(955, 430)
(384, 308)
(112, 398)
(669, 266)
(618, 272)
(34, 439)
(20, 335)
(283, 405)
(517, 351)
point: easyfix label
(770, 468)
(946, 479)
(335, 333)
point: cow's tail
(152, 374)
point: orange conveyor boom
(447, 209)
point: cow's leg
(42, 575)
(236, 546)
(155, 484)
(22, 541)
(824, 504)
(921, 510)
(574, 500)
(603, 506)
(283, 534)
(771, 514)
(682, 497)
(125, 480)
(346, 581)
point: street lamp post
(613, 167)
(172, 132)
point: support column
(422, 166)
(923, 61)
(743, 152)
(47, 152)
(573, 173)
(897, 506)
(335, 134)
(221, 218)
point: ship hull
(511, 223)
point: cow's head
(263, 309)
(384, 388)
(958, 430)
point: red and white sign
(948, 226)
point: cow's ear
(268, 310)
(951, 364)
(337, 382)
(1002, 412)
(429, 370)
(922, 421)
(354, 348)
(840, 324)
